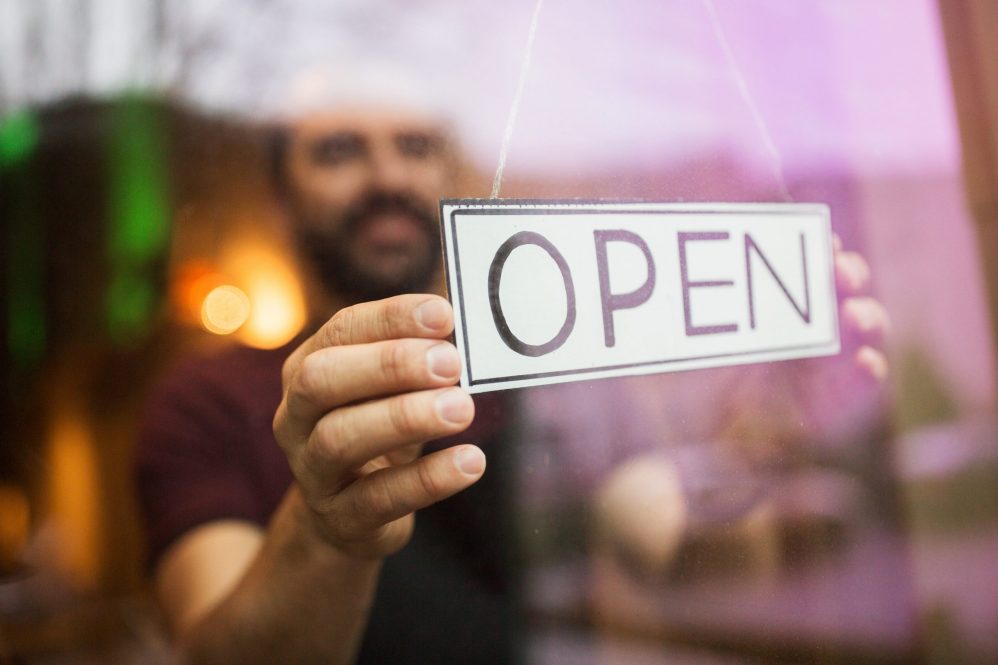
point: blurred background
(139, 224)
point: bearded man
(269, 534)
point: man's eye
(337, 149)
(417, 145)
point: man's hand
(360, 398)
(864, 320)
(843, 396)
(835, 401)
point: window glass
(159, 162)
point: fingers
(865, 322)
(411, 315)
(865, 326)
(360, 396)
(335, 376)
(872, 362)
(347, 438)
(852, 273)
(388, 494)
(392, 318)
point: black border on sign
(565, 207)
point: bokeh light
(15, 518)
(263, 270)
(225, 309)
(73, 496)
(251, 291)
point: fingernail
(433, 314)
(443, 362)
(470, 460)
(455, 406)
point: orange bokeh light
(225, 309)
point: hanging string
(515, 106)
(776, 163)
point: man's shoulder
(231, 365)
(233, 378)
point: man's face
(363, 189)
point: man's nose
(389, 170)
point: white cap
(330, 85)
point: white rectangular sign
(547, 291)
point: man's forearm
(301, 600)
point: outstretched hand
(361, 396)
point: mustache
(385, 203)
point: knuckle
(325, 448)
(339, 329)
(279, 425)
(390, 317)
(396, 362)
(312, 377)
(338, 520)
(288, 370)
(385, 319)
(306, 483)
(428, 482)
(364, 513)
(378, 503)
(403, 309)
(369, 522)
(405, 415)
(346, 517)
(324, 505)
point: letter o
(495, 275)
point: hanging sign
(547, 292)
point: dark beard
(343, 275)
